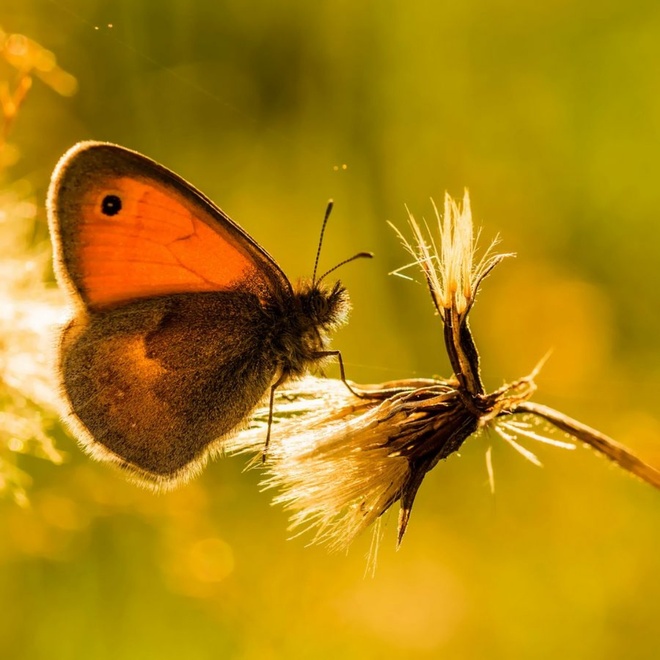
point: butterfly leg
(273, 387)
(342, 372)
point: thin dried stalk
(602, 443)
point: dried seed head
(339, 461)
(339, 466)
(452, 272)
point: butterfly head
(301, 334)
(323, 307)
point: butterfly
(181, 321)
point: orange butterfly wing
(127, 228)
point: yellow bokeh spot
(210, 560)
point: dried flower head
(340, 461)
(452, 272)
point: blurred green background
(550, 114)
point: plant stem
(595, 439)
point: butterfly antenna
(328, 211)
(359, 255)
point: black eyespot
(111, 205)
